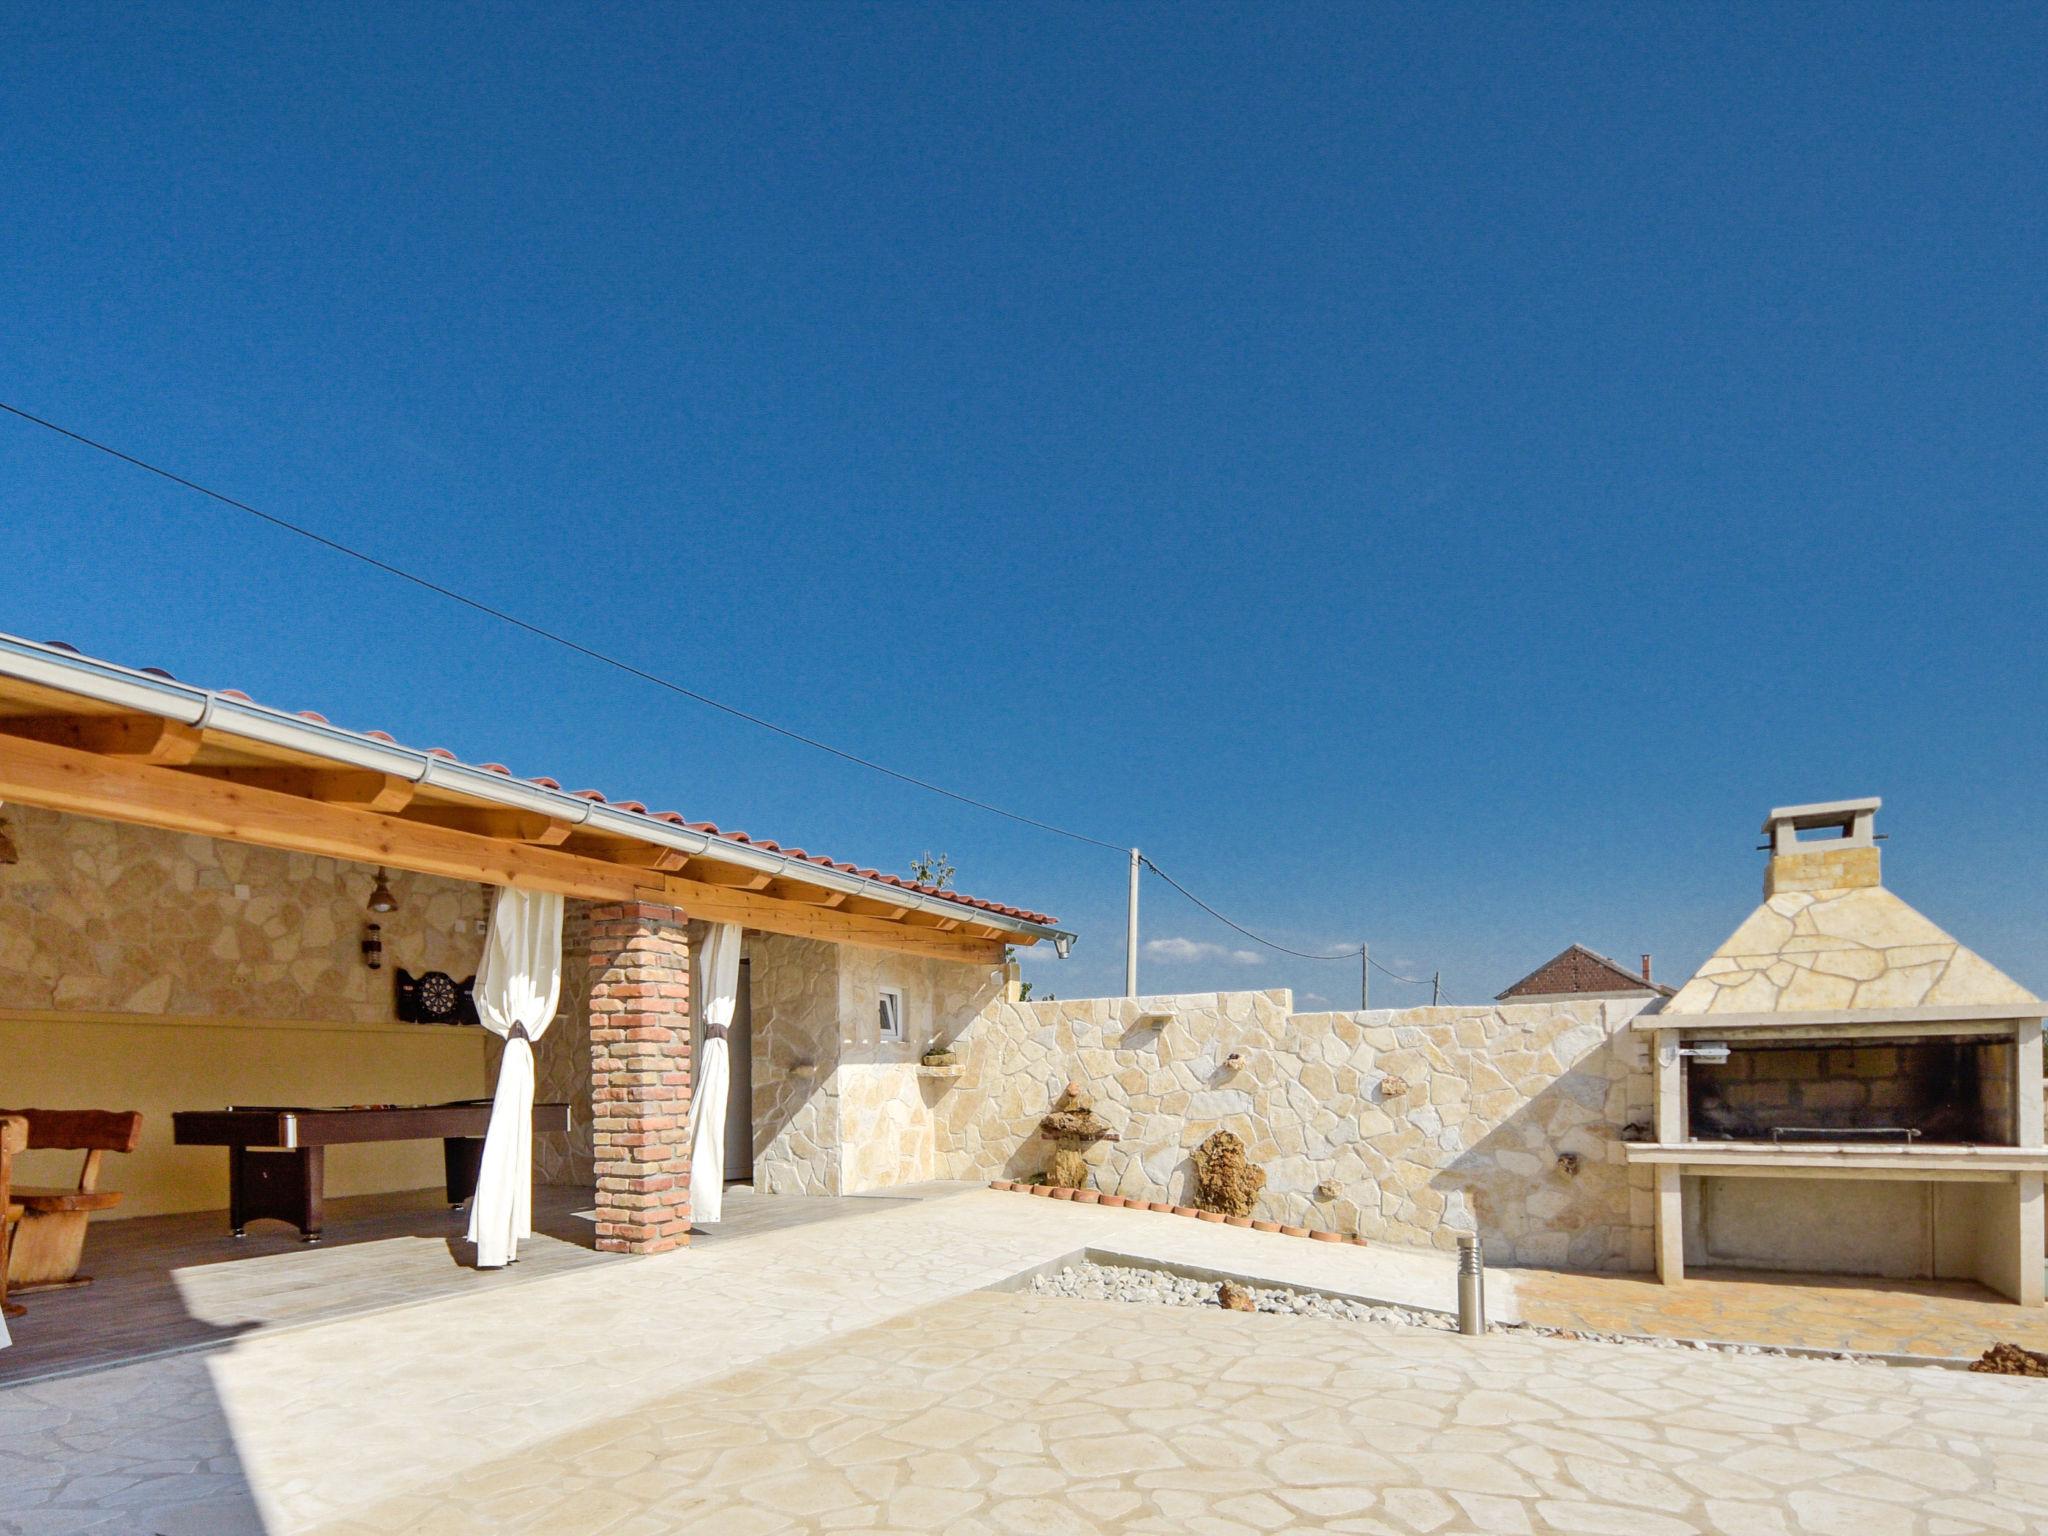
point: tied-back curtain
(517, 986)
(718, 990)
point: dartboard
(434, 997)
(437, 995)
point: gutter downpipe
(203, 708)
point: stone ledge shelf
(946, 1074)
(1866, 1159)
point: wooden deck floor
(169, 1283)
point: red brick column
(640, 1076)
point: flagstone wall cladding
(793, 988)
(106, 918)
(837, 1109)
(639, 965)
(1832, 950)
(562, 1063)
(1422, 1122)
(888, 1106)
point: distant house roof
(1577, 971)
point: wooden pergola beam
(59, 778)
(733, 876)
(509, 825)
(808, 895)
(631, 855)
(359, 788)
(871, 906)
(137, 738)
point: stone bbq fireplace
(1844, 1088)
(1933, 1090)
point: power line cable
(593, 654)
(550, 635)
(1299, 954)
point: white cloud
(1043, 951)
(1186, 951)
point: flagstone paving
(1004, 1415)
(1950, 1318)
(282, 1429)
(865, 1350)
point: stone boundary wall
(1404, 1126)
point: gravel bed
(1119, 1282)
(1089, 1281)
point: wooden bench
(49, 1238)
(13, 1139)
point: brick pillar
(640, 1076)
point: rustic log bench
(13, 1139)
(49, 1238)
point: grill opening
(1946, 1091)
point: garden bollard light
(1471, 1285)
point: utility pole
(1131, 934)
(1436, 989)
(1364, 977)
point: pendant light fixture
(381, 899)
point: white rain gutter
(148, 694)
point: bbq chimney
(1842, 856)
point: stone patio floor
(855, 1374)
(994, 1415)
(1954, 1319)
(163, 1283)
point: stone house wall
(837, 1109)
(1418, 1123)
(102, 917)
(794, 991)
(889, 1107)
(561, 1063)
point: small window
(891, 1023)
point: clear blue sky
(1431, 475)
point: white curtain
(516, 989)
(718, 990)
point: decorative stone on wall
(107, 918)
(1427, 1122)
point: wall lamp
(1713, 1052)
(373, 946)
(381, 899)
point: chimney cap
(1822, 813)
